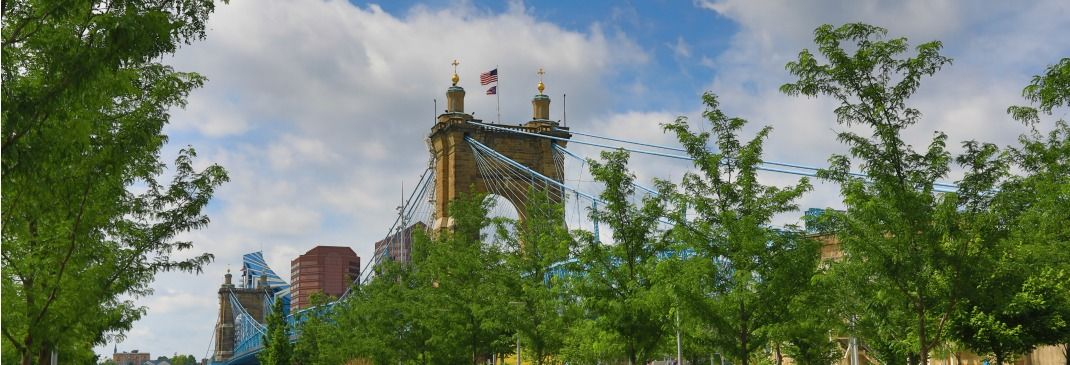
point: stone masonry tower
(253, 299)
(456, 172)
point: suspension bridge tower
(254, 304)
(455, 162)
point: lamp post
(679, 347)
(517, 332)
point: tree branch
(11, 338)
(67, 256)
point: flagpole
(498, 93)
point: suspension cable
(655, 153)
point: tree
(462, 278)
(1020, 232)
(394, 310)
(808, 321)
(587, 342)
(184, 360)
(534, 245)
(896, 231)
(315, 333)
(1045, 185)
(277, 347)
(746, 272)
(85, 219)
(619, 287)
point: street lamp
(517, 332)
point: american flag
(493, 90)
(488, 77)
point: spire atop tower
(541, 87)
(455, 94)
(540, 104)
(455, 78)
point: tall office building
(398, 247)
(326, 269)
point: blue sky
(319, 109)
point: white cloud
(290, 150)
(681, 49)
(274, 218)
(169, 303)
(221, 119)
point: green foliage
(390, 312)
(744, 275)
(315, 333)
(449, 306)
(1047, 91)
(542, 303)
(900, 238)
(184, 360)
(619, 287)
(1019, 232)
(466, 274)
(587, 343)
(277, 347)
(85, 219)
(808, 322)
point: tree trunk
(26, 360)
(743, 360)
(923, 338)
(631, 353)
(779, 356)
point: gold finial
(455, 77)
(541, 86)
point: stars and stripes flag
(493, 90)
(488, 77)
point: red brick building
(398, 247)
(130, 358)
(326, 269)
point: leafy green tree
(85, 219)
(394, 309)
(183, 360)
(808, 322)
(448, 306)
(619, 286)
(1018, 226)
(315, 333)
(897, 232)
(534, 245)
(1045, 185)
(325, 334)
(462, 274)
(586, 342)
(746, 272)
(277, 347)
